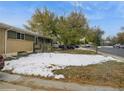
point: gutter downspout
(5, 50)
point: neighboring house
(15, 40)
(106, 43)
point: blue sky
(109, 16)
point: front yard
(109, 73)
(81, 68)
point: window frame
(17, 35)
(29, 37)
(11, 34)
(20, 36)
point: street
(114, 51)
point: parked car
(67, 46)
(55, 46)
(88, 45)
(82, 45)
(122, 46)
(70, 47)
(116, 46)
(77, 46)
(1, 62)
(62, 46)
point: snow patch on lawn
(42, 64)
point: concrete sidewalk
(32, 83)
(4, 86)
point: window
(36, 41)
(29, 37)
(11, 34)
(40, 39)
(18, 36)
(22, 36)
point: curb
(108, 54)
(114, 56)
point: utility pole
(97, 40)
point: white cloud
(99, 10)
(92, 5)
(96, 16)
(93, 10)
(120, 9)
(80, 4)
(76, 3)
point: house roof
(8, 27)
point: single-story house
(14, 40)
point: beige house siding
(16, 45)
(21, 40)
(2, 40)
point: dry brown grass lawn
(107, 74)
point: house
(15, 40)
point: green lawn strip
(77, 51)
